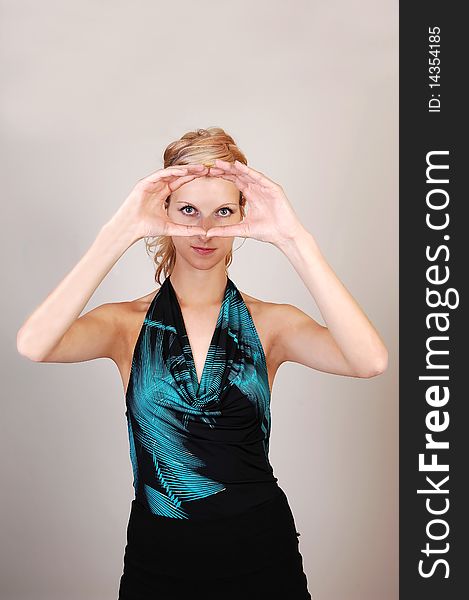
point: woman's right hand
(144, 210)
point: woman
(198, 359)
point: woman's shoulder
(267, 316)
(269, 320)
(129, 314)
(142, 303)
(265, 309)
(136, 309)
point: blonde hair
(200, 146)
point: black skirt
(252, 555)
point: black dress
(208, 519)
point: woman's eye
(230, 212)
(184, 207)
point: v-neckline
(194, 375)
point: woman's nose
(206, 222)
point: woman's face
(206, 202)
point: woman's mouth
(202, 250)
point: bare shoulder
(267, 313)
(275, 323)
(130, 315)
(126, 313)
(267, 317)
(134, 308)
(261, 310)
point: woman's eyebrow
(188, 202)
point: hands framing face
(269, 214)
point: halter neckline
(190, 353)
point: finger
(172, 170)
(223, 173)
(177, 183)
(196, 170)
(163, 176)
(239, 183)
(178, 230)
(226, 176)
(236, 230)
(248, 174)
(225, 165)
(170, 175)
(192, 167)
(170, 180)
(229, 168)
(256, 176)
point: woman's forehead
(206, 190)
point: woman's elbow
(377, 366)
(24, 348)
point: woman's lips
(203, 251)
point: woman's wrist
(294, 242)
(120, 234)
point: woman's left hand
(270, 216)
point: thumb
(227, 231)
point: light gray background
(92, 92)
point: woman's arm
(53, 332)
(349, 344)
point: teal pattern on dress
(189, 441)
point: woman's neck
(199, 289)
